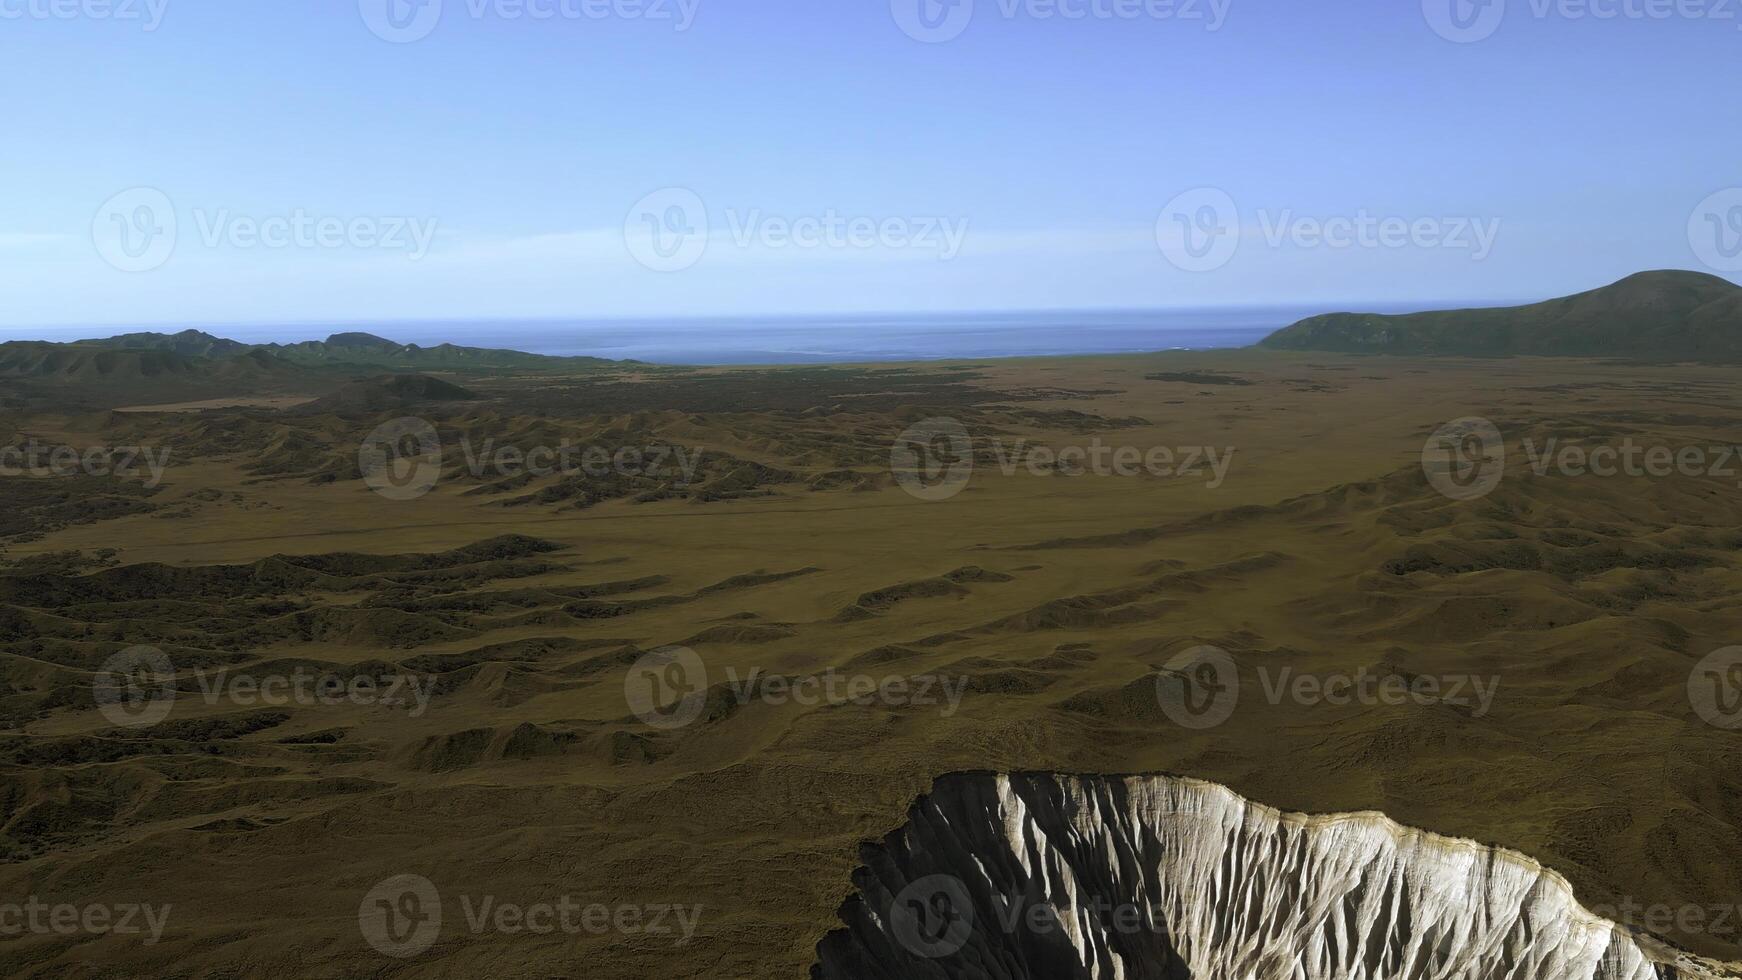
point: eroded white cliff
(1160, 878)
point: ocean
(798, 339)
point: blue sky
(512, 166)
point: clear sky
(500, 165)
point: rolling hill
(190, 365)
(1666, 315)
(347, 349)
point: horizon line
(178, 326)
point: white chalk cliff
(1043, 877)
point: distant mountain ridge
(164, 368)
(1663, 315)
(341, 348)
(95, 363)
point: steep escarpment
(1041, 877)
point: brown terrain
(525, 609)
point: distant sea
(799, 339)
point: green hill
(1666, 315)
(349, 349)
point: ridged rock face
(1159, 878)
